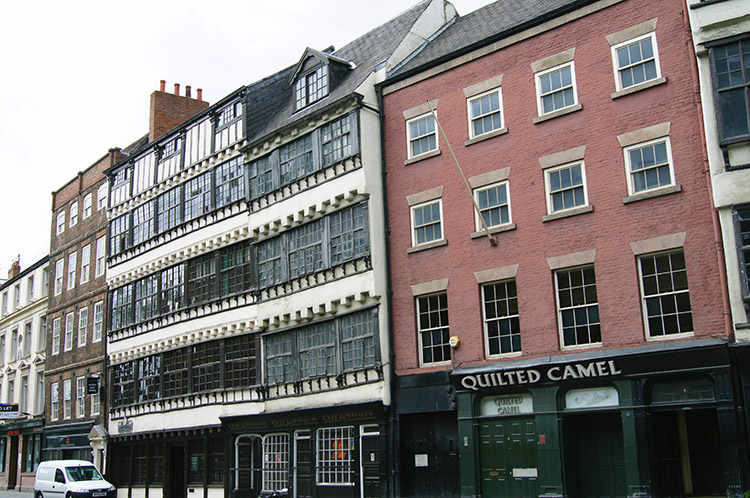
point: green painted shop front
(653, 422)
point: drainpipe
(718, 243)
(394, 481)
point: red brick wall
(609, 228)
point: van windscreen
(87, 473)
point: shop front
(68, 442)
(335, 452)
(654, 421)
(20, 454)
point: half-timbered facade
(248, 333)
(23, 310)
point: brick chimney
(15, 269)
(170, 110)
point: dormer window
(311, 87)
(229, 114)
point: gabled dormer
(316, 75)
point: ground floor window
(275, 462)
(334, 455)
(32, 452)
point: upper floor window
(566, 187)
(578, 307)
(742, 231)
(432, 328)
(59, 275)
(74, 214)
(556, 89)
(636, 61)
(101, 197)
(60, 222)
(485, 113)
(649, 166)
(730, 63)
(87, 205)
(500, 312)
(421, 135)
(664, 294)
(229, 114)
(494, 205)
(311, 87)
(427, 223)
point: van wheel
(38, 495)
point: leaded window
(270, 262)
(176, 371)
(216, 460)
(578, 307)
(172, 289)
(336, 140)
(119, 234)
(122, 307)
(358, 333)
(349, 238)
(296, 159)
(230, 182)
(201, 279)
(279, 359)
(149, 387)
(122, 384)
(147, 298)
(742, 230)
(432, 328)
(196, 455)
(311, 87)
(235, 269)
(143, 223)
(206, 366)
(262, 176)
(169, 206)
(198, 196)
(501, 325)
(731, 66)
(306, 249)
(316, 345)
(665, 295)
(240, 362)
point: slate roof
(482, 27)
(272, 99)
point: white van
(71, 479)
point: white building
(23, 310)
(248, 330)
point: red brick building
(577, 342)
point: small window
(422, 135)
(60, 222)
(556, 89)
(578, 307)
(55, 409)
(311, 87)
(100, 256)
(485, 113)
(98, 321)
(87, 205)
(59, 270)
(67, 398)
(101, 197)
(501, 327)
(69, 318)
(664, 295)
(80, 397)
(85, 263)
(494, 205)
(432, 328)
(636, 61)
(427, 222)
(566, 187)
(83, 323)
(649, 166)
(74, 214)
(56, 336)
(72, 270)
(730, 64)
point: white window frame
(101, 197)
(59, 274)
(80, 397)
(645, 298)
(83, 322)
(548, 193)
(85, 263)
(87, 205)
(72, 263)
(410, 138)
(414, 227)
(60, 222)
(69, 321)
(67, 399)
(98, 321)
(616, 63)
(539, 97)
(334, 456)
(54, 401)
(473, 118)
(573, 308)
(420, 330)
(477, 216)
(509, 317)
(56, 326)
(101, 256)
(276, 458)
(74, 214)
(629, 170)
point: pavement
(10, 493)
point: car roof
(66, 463)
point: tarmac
(11, 493)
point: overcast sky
(76, 77)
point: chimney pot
(200, 93)
(176, 88)
(187, 90)
(162, 85)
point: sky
(76, 79)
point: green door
(509, 458)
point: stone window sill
(567, 213)
(652, 193)
(426, 246)
(637, 88)
(556, 114)
(494, 230)
(486, 136)
(418, 158)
